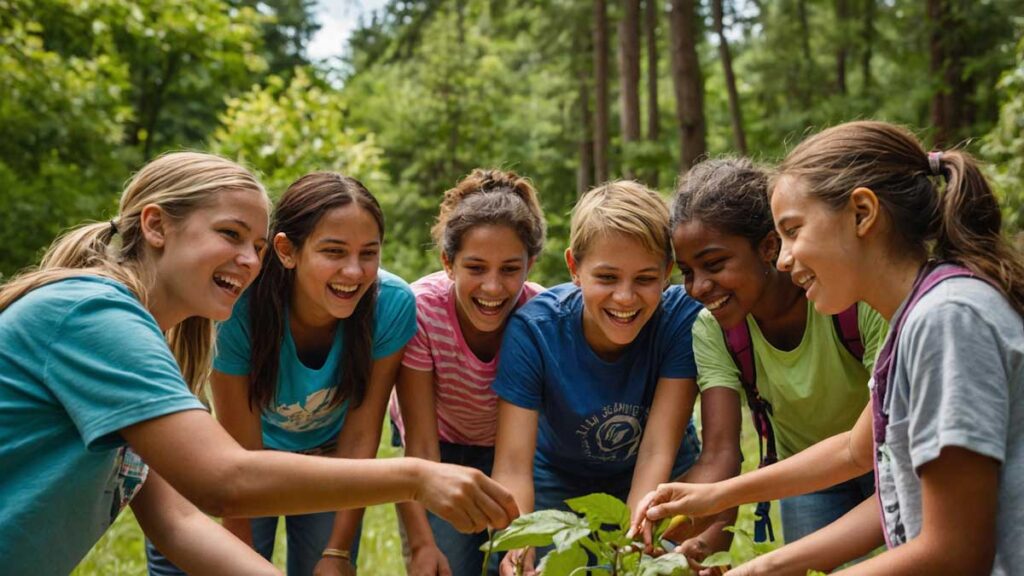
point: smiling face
(622, 284)
(335, 266)
(207, 259)
(723, 271)
(818, 246)
(488, 271)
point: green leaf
(534, 529)
(600, 509)
(815, 573)
(671, 564)
(723, 558)
(570, 535)
(562, 562)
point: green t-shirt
(816, 390)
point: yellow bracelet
(336, 553)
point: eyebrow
(482, 259)
(781, 223)
(343, 242)
(708, 250)
(613, 268)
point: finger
(504, 499)
(495, 514)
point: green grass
(120, 551)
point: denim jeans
(307, 537)
(807, 513)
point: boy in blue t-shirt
(586, 368)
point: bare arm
(827, 463)
(360, 438)
(514, 446)
(190, 539)
(231, 406)
(415, 390)
(857, 533)
(959, 496)
(201, 460)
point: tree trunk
(735, 112)
(629, 77)
(841, 46)
(940, 66)
(585, 145)
(601, 139)
(653, 130)
(868, 36)
(689, 86)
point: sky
(337, 20)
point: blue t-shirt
(80, 359)
(592, 412)
(301, 417)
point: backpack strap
(847, 328)
(741, 347)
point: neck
(779, 298)
(483, 344)
(889, 283)
(302, 317)
(160, 306)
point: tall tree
(867, 43)
(842, 45)
(629, 77)
(585, 143)
(735, 112)
(942, 67)
(651, 13)
(601, 138)
(689, 84)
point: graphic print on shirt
(613, 434)
(313, 413)
(129, 474)
(891, 520)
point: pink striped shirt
(467, 408)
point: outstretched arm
(515, 444)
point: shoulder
(393, 291)
(971, 299)
(73, 298)
(678, 306)
(705, 326)
(554, 303)
(531, 289)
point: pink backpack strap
(848, 328)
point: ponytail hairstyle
(179, 183)
(297, 213)
(490, 197)
(621, 207)
(728, 194)
(959, 222)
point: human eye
(510, 270)
(646, 279)
(715, 265)
(369, 254)
(230, 234)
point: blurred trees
(429, 89)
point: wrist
(415, 473)
(337, 554)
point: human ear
(570, 261)
(866, 209)
(448, 267)
(153, 223)
(529, 263)
(768, 248)
(285, 250)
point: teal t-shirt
(301, 417)
(816, 390)
(80, 359)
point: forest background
(567, 92)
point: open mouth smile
(229, 283)
(344, 291)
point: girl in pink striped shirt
(489, 232)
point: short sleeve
(395, 323)
(873, 330)
(715, 366)
(952, 356)
(679, 311)
(234, 343)
(520, 378)
(110, 367)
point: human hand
(514, 559)
(334, 566)
(465, 497)
(696, 550)
(428, 560)
(675, 499)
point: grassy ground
(120, 551)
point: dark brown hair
(959, 222)
(728, 194)
(297, 213)
(490, 197)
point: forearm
(414, 518)
(651, 469)
(824, 464)
(857, 533)
(519, 482)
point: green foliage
(594, 537)
(1004, 145)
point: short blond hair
(621, 207)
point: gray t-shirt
(958, 381)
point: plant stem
(487, 555)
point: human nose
(785, 261)
(624, 293)
(250, 257)
(491, 283)
(699, 285)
